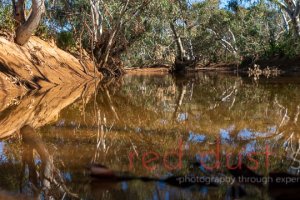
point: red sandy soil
(38, 64)
(221, 67)
(156, 70)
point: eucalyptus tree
(146, 32)
(292, 8)
(106, 28)
(27, 24)
(115, 26)
(185, 53)
(157, 43)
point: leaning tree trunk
(180, 50)
(26, 26)
(182, 60)
(296, 26)
(292, 8)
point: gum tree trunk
(182, 60)
(180, 49)
(26, 26)
(292, 8)
(296, 26)
(19, 12)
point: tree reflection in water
(45, 179)
(152, 113)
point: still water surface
(125, 123)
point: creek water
(197, 127)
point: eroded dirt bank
(38, 64)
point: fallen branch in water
(101, 172)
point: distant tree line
(147, 32)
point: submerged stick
(103, 173)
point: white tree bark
(292, 8)
(97, 19)
(285, 22)
(180, 49)
(229, 46)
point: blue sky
(223, 3)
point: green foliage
(6, 20)
(216, 34)
(45, 32)
(65, 40)
(283, 48)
